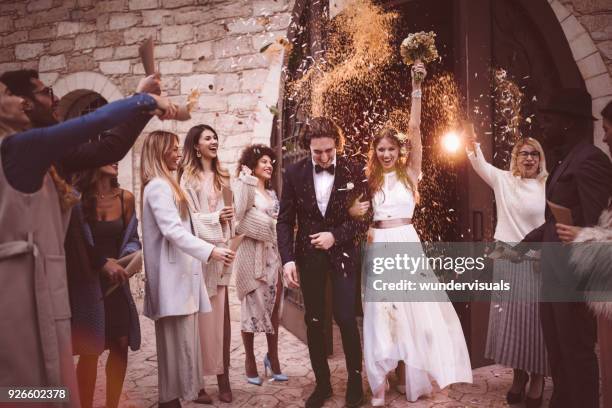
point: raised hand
(469, 135)
(150, 84)
(418, 73)
(165, 108)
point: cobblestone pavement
(140, 389)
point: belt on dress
(397, 222)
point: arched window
(80, 102)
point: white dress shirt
(323, 185)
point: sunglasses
(47, 90)
(535, 155)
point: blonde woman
(258, 263)
(175, 291)
(424, 340)
(202, 178)
(514, 337)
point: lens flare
(451, 142)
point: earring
(198, 154)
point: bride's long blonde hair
(152, 164)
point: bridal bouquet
(419, 46)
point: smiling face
(528, 161)
(172, 156)
(110, 170)
(12, 111)
(387, 153)
(323, 151)
(208, 144)
(264, 168)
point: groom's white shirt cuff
(290, 262)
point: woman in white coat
(175, 291)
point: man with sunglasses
(40, 104)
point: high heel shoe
(254, 380)
(275, 377)
(516, 397)
(535, 402)
(378, 400)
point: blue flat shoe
(275, 377)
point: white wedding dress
(427, 336)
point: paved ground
(140, 390)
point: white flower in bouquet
(419, 46)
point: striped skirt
(514, 336)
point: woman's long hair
(191, 165)
(86, 182)
(152, 164)
(374, 170)
(514, 169)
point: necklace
(102, 196)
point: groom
(318, 190)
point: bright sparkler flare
(451, 142)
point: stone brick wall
(587, 25)
(210, 44)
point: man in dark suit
(318, 191)
(581, 180)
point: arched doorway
(523, 37)
(83, 92)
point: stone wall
(209, 44)
(212, 45)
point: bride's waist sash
(397, 222)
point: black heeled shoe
(516, 397)
(536, 402)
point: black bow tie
(331, 169)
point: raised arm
(115, 143)
(169, 222)
(27, 156)
(415, 159)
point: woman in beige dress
(203, 179)
(258, 264)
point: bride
(424, 340)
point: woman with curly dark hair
(258, 264)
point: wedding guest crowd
(66, 224)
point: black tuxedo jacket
(299, 203)
(582, 182)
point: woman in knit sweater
(257, 265)
(202, 178)
(514, 335)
